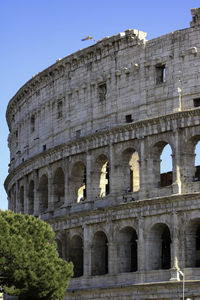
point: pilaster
(26, 198)
(112, 258)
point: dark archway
(128, 250)
(100, 254)
(78, 187)
(130, 170)
(31, 197)
(159, 241)
(192, 244)
(59, 188)
(21, 199)
(43, 193)
(76, 255)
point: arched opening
(59, 247)
(99, 254)
(197, 263)
(21, 199)
(159, 241)
(128, 250)
(76, 255)
(104, 180)
(59, 188)
(31, 197)
(166, 174)
(130, 171)
(193, 244)
(102, 175)
(197, 162)
(43, 193)
(78, 182)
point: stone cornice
(173, 203)
(136, 130)
(139, 288)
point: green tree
(30, 266)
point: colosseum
(86, 139)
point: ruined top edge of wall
(134, 36)
(195, 12)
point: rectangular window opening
(78, 133)
(16, 138)
(102, 90)
(196, 102)
(129, 118)
(44, 147)
(32, 124)
(160, 74)
(59, 110)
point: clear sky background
(34, 33)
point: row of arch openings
(159, 247)
(128, 173)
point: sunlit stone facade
(86, 138)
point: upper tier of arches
(125, 171)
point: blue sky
(34, 33)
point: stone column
(177, 166)
(87, 251)
(112, 258)
(111, 169)
(36, 192)
(175, 250)
(143, 168)
(66, 172)
(141, 249)
(188, 166)
(26, 198)
(152, 166)
(50, 190)
(17, 197)
(88, 176)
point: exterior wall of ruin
(86, 138)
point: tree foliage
(30, 266)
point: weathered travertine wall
(86, 138)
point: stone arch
(128, 250)
(165, 178)
(78, 187)
(58, 187)
(99, 254)
(159, 247)
(192, 243)
(21, 199)
(191, 159)
(31, 197)
(43, 193)
(130, 170)
(76, 255)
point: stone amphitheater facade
(86, 137)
